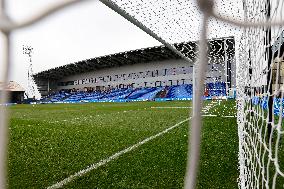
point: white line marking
(171, 107)
(113, 157)
(210, 115)
(228, 116)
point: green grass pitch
(51, 142)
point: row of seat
(216, 89)
(180, 91)
(147, 93)
(278, 104)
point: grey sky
(91, 29)
(79, 32)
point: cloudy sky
(79, 32)
(91, 29)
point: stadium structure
(15, 90)
(277, 49)
(154, 73)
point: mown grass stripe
(113, 157)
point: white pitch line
(229, 116)
(113, 157)
(171, 107)
(210, 115)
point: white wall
(142, 67)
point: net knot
(206, 6)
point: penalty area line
(111, 158)
(171, 107)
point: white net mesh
(260, 98)
(180, 20)
(258, 81)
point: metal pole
(193, 80)
(269, 74)
(48, 87)
(226, 67)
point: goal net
(260, 92)
(178, 21)
(260, 72)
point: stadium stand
(217, 89)
(138, 93)
(149, 74)
(179, 92)
(151, 95)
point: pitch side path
(121, 145)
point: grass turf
(50, 142)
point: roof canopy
(151, 54)
(12, 86)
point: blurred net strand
(140, 25)
(6, 27)
(3, 111)
(195, 129)
(247, 25)
(3, 100)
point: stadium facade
(15, 90)
(150, 67)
